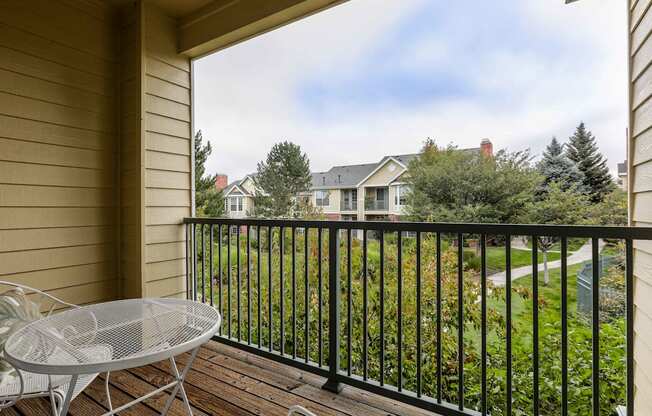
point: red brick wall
(333, 217)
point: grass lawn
(496, 258)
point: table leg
(180, 377)
(63, 410)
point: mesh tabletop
(112, 336)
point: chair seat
(38, 383)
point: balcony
(348, 331)
(349, 205)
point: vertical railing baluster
(365, 307)
(320, 296)
(418, 290)
(349, 304)
(438, 306)
(381, 236)
(219, 274)
(595, 315)
(535, 324)
(629, 283)
(564, 327)
(483, 323)
(210, 264)
(508, 324)
(194, 262)
(248, 285)
(203, 264)
(269, 288)
(237, 281)
(460, 321)
(332, 383)
(228, 279)
(399, 304)
(306, 295)
(294, 293)
(187, 260)
(259, 243)
(282, 288)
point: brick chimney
(221, 181)
(487, 148)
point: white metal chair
(300, 411)
(16, 384)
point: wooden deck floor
(225, 381)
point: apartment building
(369, 191)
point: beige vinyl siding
(167, 155)
(58, 137)
(640, 187)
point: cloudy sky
(375, 77)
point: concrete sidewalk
(580, 256)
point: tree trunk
(546, 276)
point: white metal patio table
(114, 336)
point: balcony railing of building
(398, 313)
(376, 204)
(349, 205)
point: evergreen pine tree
(208, 200)
(583, 151)
(555, 166)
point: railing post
(333, 311)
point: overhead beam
(224, 23)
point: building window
(322, 198)
(380, 194)
(400, 197)
(235, 203)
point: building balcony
(376, 205)
(349, 205)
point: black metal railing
(401, 309)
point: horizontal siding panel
(165, 287)
(166, 198)
(638, 11)
(643, 147)
(165, 234)
(643, 177)
(40, 68)
(17, 39)
(14, 105)
(641, 59)
(25, 86)
(24, 261)
(45, 196)
(71, 27)
(168, 144)
(14, 240)
(642, 30)
(40, 153)
(165, 125)
(643, 207)
(167, 161)
(643, 245)
(19, 218)
(165, 216)
(38, 131)
(89, 293)
(165, 269)
(161, 39)
(643, 356)
(164, 251)
(65, 276)
(643, 266)
(165, 179)
(167, 72)
(29, 174)
(167, 90)
(642, 294)
(167, 108)
(643, 327)
(642, 117)
(642, 88)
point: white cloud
(246, 96)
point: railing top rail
(586, 231)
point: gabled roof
(237, 185)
